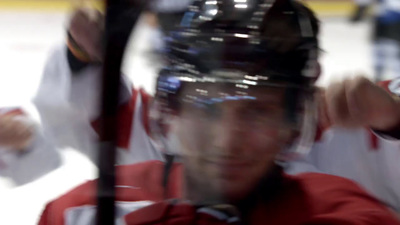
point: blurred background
(29, 29)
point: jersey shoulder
(134, 183)
(334, 198)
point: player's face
(230, 137)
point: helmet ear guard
(304, 137)
(163, 109)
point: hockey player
(72, 77)
(386, 35)
(67, 103)
(369, 157)
(233, 99)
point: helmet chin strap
(302, 145)
(169, 162)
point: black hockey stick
(121, 16)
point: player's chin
(234, 183)
(233, 192)
(228, 170)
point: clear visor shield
(230, 134)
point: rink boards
(322, 7)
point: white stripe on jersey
(394, 86)
(85, 215)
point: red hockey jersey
(307, 199)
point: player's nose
(228, 132)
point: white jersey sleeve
(67, 102)
(64, 118)
(371, 159)
(68, 106)
(23, 166)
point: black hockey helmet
(260, 37)
(245, 43)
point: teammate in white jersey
(73, 76)
(369, 157)
(67, 101)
